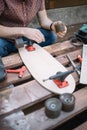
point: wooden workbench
(22, 99)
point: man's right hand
(33, 34)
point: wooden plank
(61, 48)
(52, 4)
(12, 61)
(55, 49)
(19, 121)
(40, 119)
(82, 126)
(16, 121)
(27, 90)
(12, 78)
(74, 56)
(22, 96)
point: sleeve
(42, 5)
(1, 6)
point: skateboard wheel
(53, 107)
(59, 27)
(19, 42)
(68, 102)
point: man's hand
(33, 34)
(59, 28)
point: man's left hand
(59, 28)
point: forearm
(14, 32)
(10, 32)
(44, 21)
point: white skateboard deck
(42, 65)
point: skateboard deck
(42, 65)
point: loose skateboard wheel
(53, 107)
(59, 27)
(68, 102)
(19, 42)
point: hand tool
(74, 66)
(19, 71)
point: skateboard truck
(59, 78)
(30, 46)
(19, 71)
(74, 66)
(20, 43)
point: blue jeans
(7, 47)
